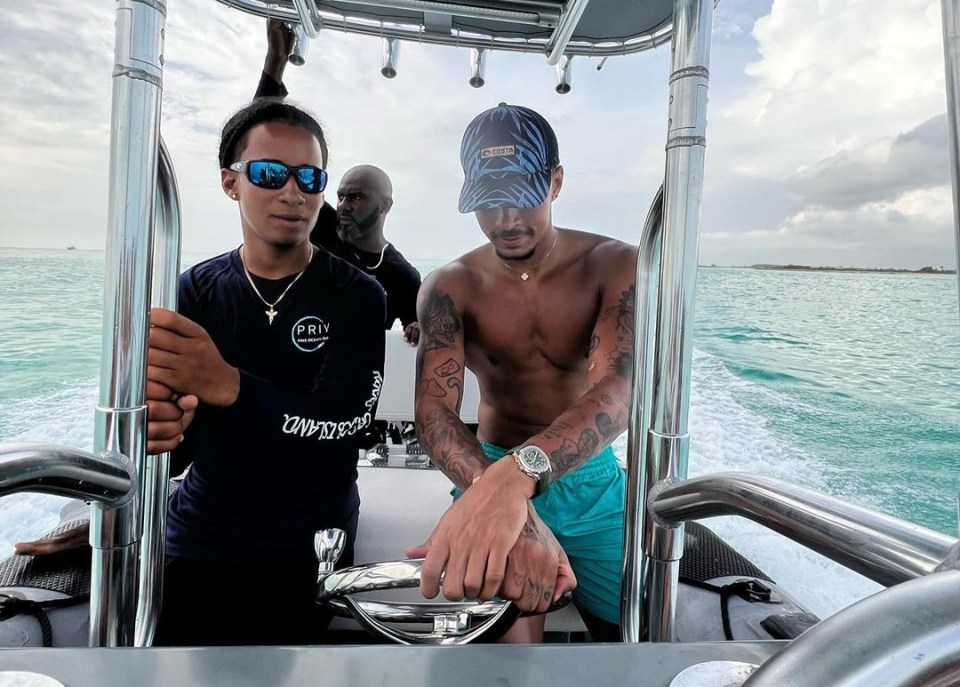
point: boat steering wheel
(454, 623)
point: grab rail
(884, 548)
(155, 477)
(65, 471)
(109, 480)
(639, 424)
(542, 15)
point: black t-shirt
(280, 463)
(399, 279)
(396, 275)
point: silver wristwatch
(535, 463)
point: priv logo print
(310, 333)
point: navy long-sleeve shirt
(280, 462)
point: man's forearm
(274, 66)
(451, 446)
(587, 427)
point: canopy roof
(553, 27)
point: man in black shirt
(282, 345)
(264, 381)
(365, 196)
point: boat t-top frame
(904, 635)
(556, 28)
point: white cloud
(905, 233)
(878, 170)
(835, 89)
(844, 72)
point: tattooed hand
(491, 543)
(536, 557)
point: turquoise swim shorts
(584, 509)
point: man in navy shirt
(264, 381)
(281, 345)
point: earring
(233, 195)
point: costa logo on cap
(497, 151)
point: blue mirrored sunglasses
(273, 174)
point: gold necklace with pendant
(271, 311)
(525, 274)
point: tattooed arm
(440, 371)
(601, 414)
(490, 542)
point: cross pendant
(525, 276)
(271, 313)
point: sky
(826, 134)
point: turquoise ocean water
(845, 382)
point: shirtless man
(544, 318)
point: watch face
(535, 459)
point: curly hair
(233, 138)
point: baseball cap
(508, 154)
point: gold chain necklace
(383, 251)
(271, 312)
(525, 274)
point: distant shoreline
(809, 268)
(759, 266)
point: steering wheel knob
(328, 545)
(451, 624)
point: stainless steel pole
(121, 414)
(668, 441)
(951, 59)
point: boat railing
(155, 476)
(109, 481)
(905, 635)
(878, 546)
(951, 60)
(128, 495)
(641, 392)
(64, 471)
